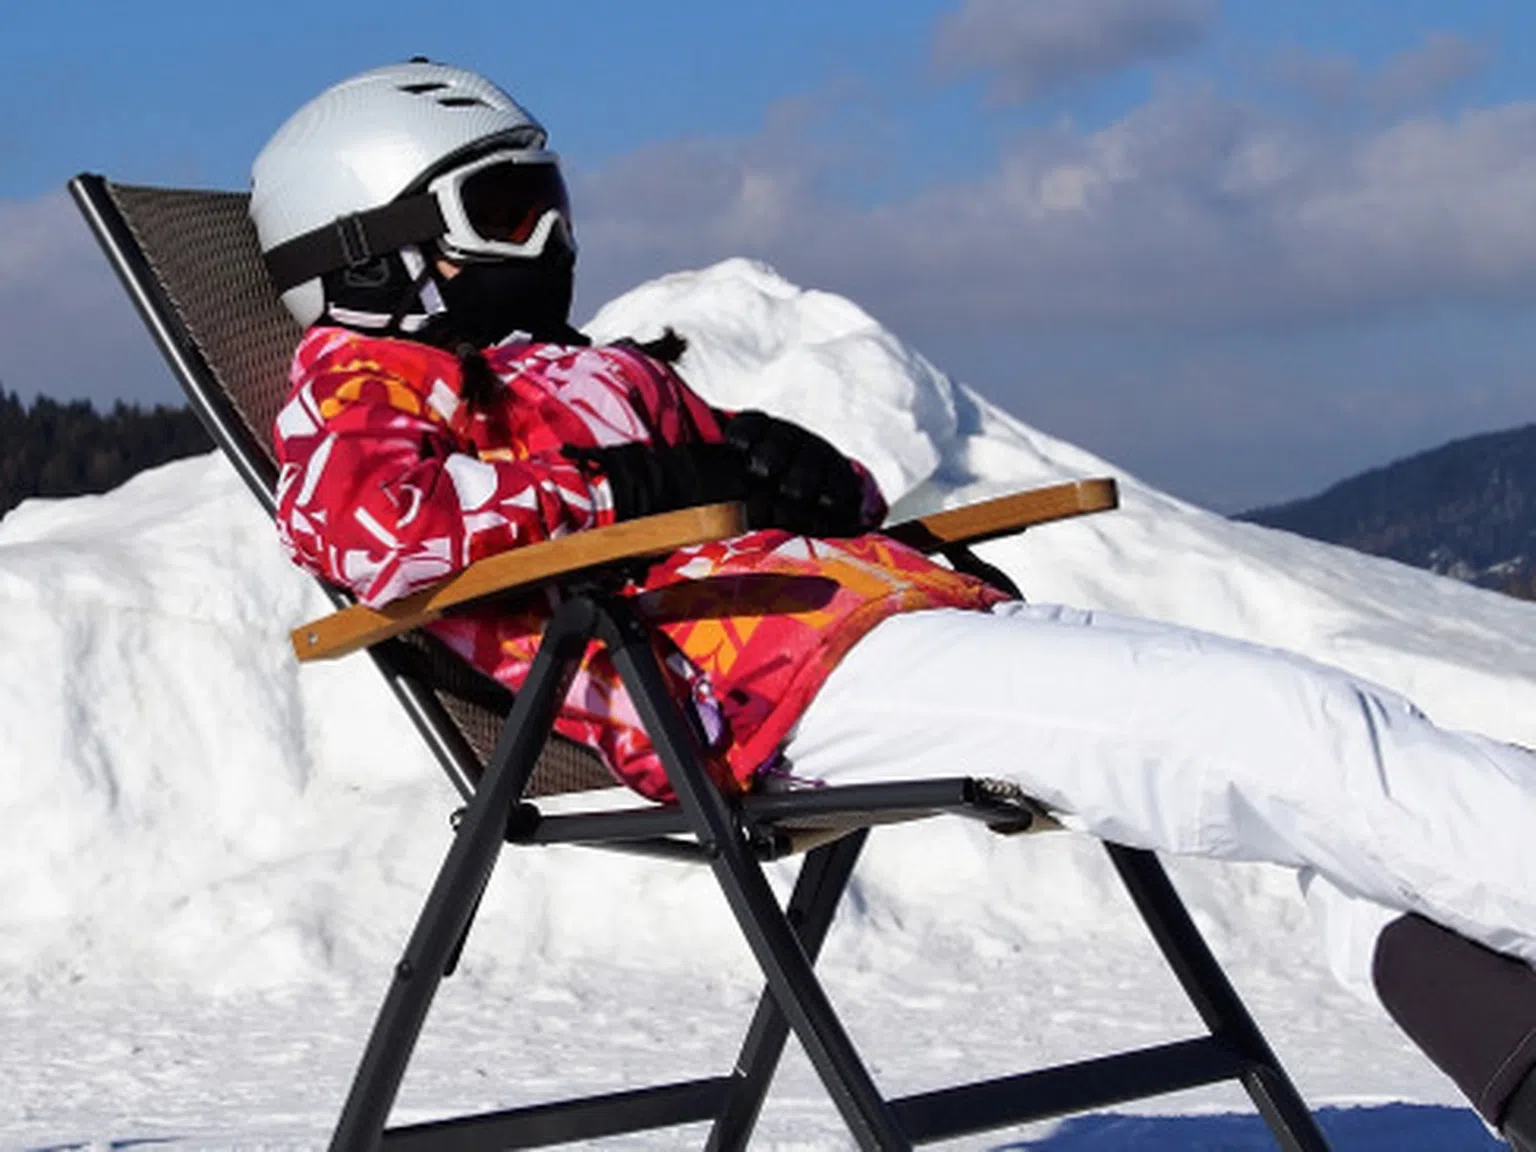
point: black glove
(650, 478)
(796, 480)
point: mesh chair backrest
(203, 253)
(203, 250)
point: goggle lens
(506, 202)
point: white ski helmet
(396, 157)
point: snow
(214, 855)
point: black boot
(1472, 1011)
(1519, 1120)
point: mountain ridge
(1465, 509)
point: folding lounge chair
(190, 261)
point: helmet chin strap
(394, 295)
(407, 295)
(424, 289)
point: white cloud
(1427, 72)
(1413, 79)
(1191, 210)
(1029, 47)
(66, 328)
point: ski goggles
(503, 204)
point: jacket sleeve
(378, 494)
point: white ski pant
(1162, 737)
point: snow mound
(758, 341)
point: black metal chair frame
(732, 836)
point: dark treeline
(68, 449)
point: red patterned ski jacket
(388, 483)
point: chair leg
(818, 890)
(436, 938)
(777, 949)
(1214, 998)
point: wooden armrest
(1005, 515)
(359, 626)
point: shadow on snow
(108, 1145)
(1386, 1128)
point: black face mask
(489, 300)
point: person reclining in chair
(444, 409)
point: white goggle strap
(416, 268)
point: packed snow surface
(213, 856)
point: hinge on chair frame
(521, 821)
(1032, 815)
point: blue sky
(1241, 249)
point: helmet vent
(462, 102)
(425, 86)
